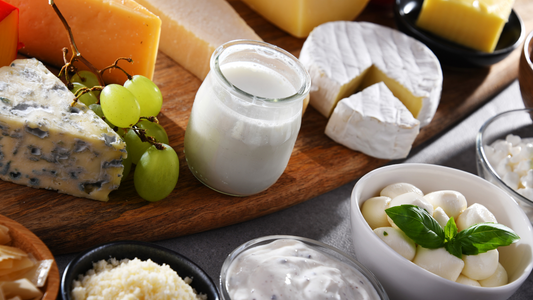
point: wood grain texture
(317, 165)
(24, 239)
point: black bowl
(201, 282)
(449, 53)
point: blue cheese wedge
(375, 123)
(46, 142)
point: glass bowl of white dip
(289, 267)
(504, 152)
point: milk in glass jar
(246, 117)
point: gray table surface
(326, 218)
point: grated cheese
(132, 280)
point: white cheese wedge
(374, 122)
(191, 30)
(343, 57)
(48, 143)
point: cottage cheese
(132, 280)
(512, 159)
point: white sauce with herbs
(289, 269)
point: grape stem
(83, 91)
(77, 55)
(115, 66)
(141, 133)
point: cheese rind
(476, 24)
(374, 122)
(103, 30)
(192, 30)
(300, 17)
(48, 143)
(343, 57)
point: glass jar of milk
(246, 117)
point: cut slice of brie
(374, 122)
(344, 57)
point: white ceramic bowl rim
(484, 160)
(411, 267)
(267, 239)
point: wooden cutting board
(317, 165)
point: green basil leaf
(417, 224)
(482, 237)
(450, 230)
(454, 248)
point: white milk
(241, 145)
(258, 80)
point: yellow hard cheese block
(476, 24)
(104, 30)
(193, 29)
(299, 17)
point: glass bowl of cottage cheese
(288, 267)
(504, 152)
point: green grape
(87, 78)
(156, 173)
(119, 105)
(155, 130)
(87, 98)
(127, 167)
(97, 108)
(121, 131)
(136, 147)
(147, 93)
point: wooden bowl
(23, 238)
(525, 71)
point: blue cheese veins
(45, 142)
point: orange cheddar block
(103, 30)
(9, 20)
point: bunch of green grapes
(128, 108)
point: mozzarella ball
(396, 189)
(452, 202)
(373, 211)
(440, 216)
(412, 198)
(474, 214)
(462, 279)
(499, 278)
(398, 241)
(439, 261)
(481, 266)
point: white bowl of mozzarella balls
(408, 270)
